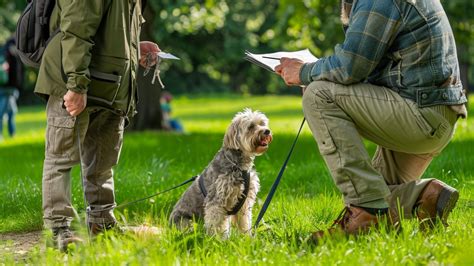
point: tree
(9, 14)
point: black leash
(156, 194)
(267, 200)
(277, 180)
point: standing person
(14, 84)
(88, 76)
(10, 110)
(172, 124)
(4, 67)
(9, 82)
(394, 81)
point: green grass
(306, 200)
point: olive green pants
(100, 132)
(408, 138)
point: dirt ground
(19, 244)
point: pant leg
(61, 154)
(339, 114)
(11, 123)
(341, 146)
(402, 172)
(11, 111)
(3, 107)
(101, 151)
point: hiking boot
(437, 200)
(351, 221)
(98, 228)
(62, 237)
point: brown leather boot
(436, 200)
(351, 221)
(63, 237)
(98, 228)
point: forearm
(372, 28)
(79, 22)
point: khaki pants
(101, 134)
(408, 138)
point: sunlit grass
(306, 200)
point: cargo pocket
(60, 135)
(103, 88)
(423, 125)
(439, 125)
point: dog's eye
(251, 127)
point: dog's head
(248, 132)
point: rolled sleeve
(305, 73)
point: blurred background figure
(171, 124)
(11, 79)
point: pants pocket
(60, 135)
(424, 126)
(439, 125)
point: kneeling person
(394, 81)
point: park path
(19, 244)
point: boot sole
(447, 200)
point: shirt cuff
(305, 73)
(77, 84)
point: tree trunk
(149, 112)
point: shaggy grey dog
(227, 189)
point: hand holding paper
(289, 70)
(271, 60)
(285, 64)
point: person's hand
(289, 70)
(75, 102)
(145, 49)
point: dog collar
(240, 203)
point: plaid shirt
(404, 45)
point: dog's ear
(231, 137)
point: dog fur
(247, 136)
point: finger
(278, 69)
(157, 48)
(284, 60)
(74, 111)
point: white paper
(167, 56)
(270, 64)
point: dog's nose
(267, 132)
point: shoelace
(340, 220)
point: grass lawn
(306, 200)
